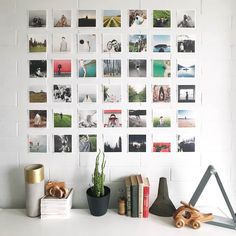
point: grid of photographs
(143, 82)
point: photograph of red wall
(62, 68)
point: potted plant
(98, 195)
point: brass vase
(34, 188)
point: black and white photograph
(111, 18)
(62, 118)
(63, 143)
(87, 142)
(111, 43)
(112, 68)
(137, 118)
(137, 43)
(186, 93)
(62, 18)
(111, 93)
(87, 118)
(137, 18)
(112, 118)
(112, 143)
(61, 43)
(37, 94)
(185, 18)
(137, 143)
(62, 93)
(87, 93)
(37, 18)
(87, 18)
(161, 118)
(37, 68)
(185, 68)
(37, 43)
(87, 43)
(186, 43)
(137, 92)
(37, 143)
(161, 93)
(161, 43)
(137, 68)
(185, 143)
(37, 118)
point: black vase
(162, 206)
(98, 205)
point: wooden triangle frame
(218, 220)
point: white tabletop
(81, 223)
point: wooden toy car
(188, 215)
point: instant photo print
(37, 18)
(112, 68)
(87, 68)
(87, 142)
(37, 143)
(137, 118)
(37, 94)
(111, 18)
(62, 143)
(112, 143)
(62, 18)
(87, 18)
(137, 92)
(161, 18)
(38, 69)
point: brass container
(34, 188)
(121, 206)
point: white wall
(216, 56)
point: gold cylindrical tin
(34, 173)
(121, 206)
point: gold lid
(34, 173)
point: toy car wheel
(179, 223)
(196, 224)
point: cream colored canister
(34, 188)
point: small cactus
(98, 177)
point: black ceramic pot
(98, 205)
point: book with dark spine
(134, 196)
(128, 196)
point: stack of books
(55, 208)
(137, 196)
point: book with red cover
(146, 191)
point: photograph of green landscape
(62, 119)
(161, 118)
(161, 18)
(37, 43)
(137, 93)
(112, 18)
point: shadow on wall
(14, 189)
